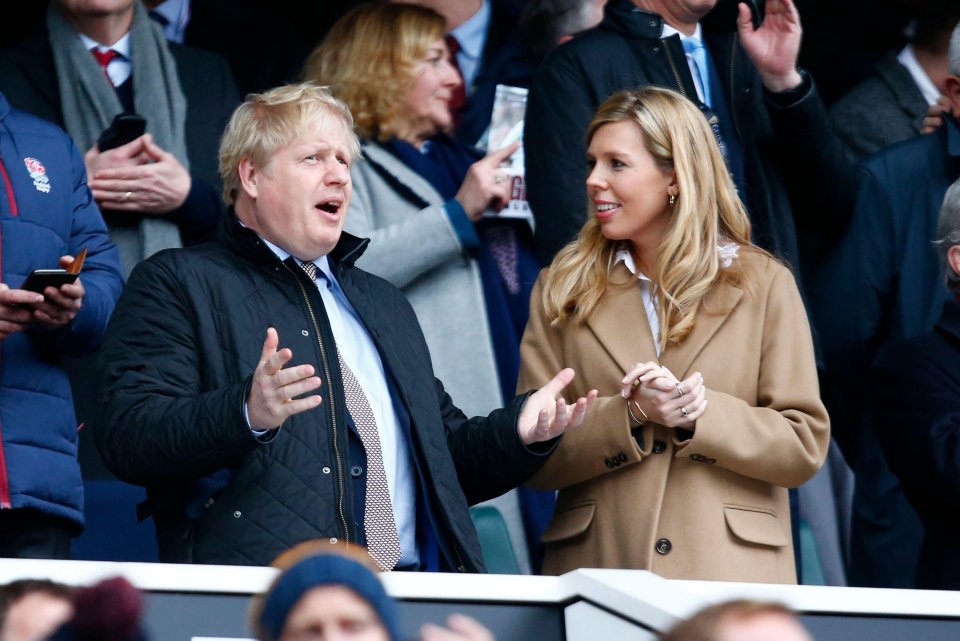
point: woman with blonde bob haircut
(699, 345)
(428, 202)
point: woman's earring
(673, 199)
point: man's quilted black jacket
(175, 366)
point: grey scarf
(89, 103)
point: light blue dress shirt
(472, 36)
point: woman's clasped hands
(662, 398)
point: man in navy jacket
(47, 217)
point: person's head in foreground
(332, 593)
(285, 162)
(31, 609)
(325, 593)
(740, 621)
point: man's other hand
(546, 414)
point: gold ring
(498, 179)
(680, 391)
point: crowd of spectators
(730, 257)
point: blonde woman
(699, 344)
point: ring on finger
(498, 179)
(683, 410)
(126, 196)
(680, 390)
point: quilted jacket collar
(245, 242)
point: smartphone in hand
(126, 127)
(39, 279)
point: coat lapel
(715, 310)
(620, 322)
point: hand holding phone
(40, 279)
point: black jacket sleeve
(157, 423)
(487, 451)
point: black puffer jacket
(175, 367)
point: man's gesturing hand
(274, 391)
(546, 415)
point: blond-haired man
(266, 391)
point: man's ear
(249, 173)
(952, 85)
(953, 258)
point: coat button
(304, 332)
(356, 470)
(664, 546)
(333, 540)
(622, 457)
(709, 461)
(609, 463)
(659, 447)
(697, 457)
(237, 514)
(326, 470)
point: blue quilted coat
(46, 211)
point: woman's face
(628, 192)
(428, 102)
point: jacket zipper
(6, 183)
(330, 404)
(673, 68)
(5, 503)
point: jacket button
(304, 332)
(333, 540)
(608, 463)
(356, 470)
(326, 470)
(696, 457)
(659, 447)
(622, 457)
(237, 514)
(663, 546)
(710, 461)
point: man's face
(674, 11)
(95, 8)
(298, 200)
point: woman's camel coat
(714, 506)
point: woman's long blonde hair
(369, 60)
(707, 212)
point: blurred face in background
(333, 613)
(35, 616)
(428, 101)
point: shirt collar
(472, 34)
(121, 46)
(625, 256)
(322, 263)
(908, 59)
(177, 14)
(728, 251)
(697, 36)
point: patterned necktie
(379, 524)
(458, 96)
(104, 58)
(698, 54)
